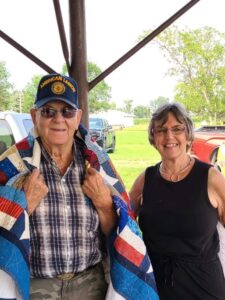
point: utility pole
(20, 101)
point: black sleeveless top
(179, 229)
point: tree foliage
(142, 111)
(99, 97)
(197, 59)
(6, 88)
(128, 106)
(154, 104)
(29, 93)
(17, 100)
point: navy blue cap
(56, 87)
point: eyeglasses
(162, 131)
(66, 112)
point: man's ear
(33, 115)
(79, 116)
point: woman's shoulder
(201, 164)
(136, 191)
(141, 178)
(152, 168)
(139, 181)
(138, 185)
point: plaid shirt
(64, 227)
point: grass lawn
(133, 153)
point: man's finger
(35, 173)
(91, 171)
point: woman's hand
(35, 190)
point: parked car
(208, 144)
(13, 128)
(102, 133)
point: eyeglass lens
(66, 112)
(174, 130)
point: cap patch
(58, 88)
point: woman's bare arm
(216, 192)
(136, 192)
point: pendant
(174, 178)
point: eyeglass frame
(163, 131)
(61, 111)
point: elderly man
(72, 193)
(66, 245)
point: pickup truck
(209, 145)
(102, 133)
(13, 128)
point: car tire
(113, 146)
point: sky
(112, 29)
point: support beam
(78, 69)
(62, 34)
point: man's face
(54, 123)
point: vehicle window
(6, 136)
(95, 123)
(28, 124)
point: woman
(179, 202)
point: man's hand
(96, 189)
(35, 190)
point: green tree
(154, 104)
(142, 111)
(17, 101)
(128, 106)
(113, 105)
(6, 89)
(29, 93)
(197, 59)
(99, 97)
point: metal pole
(62, 33)
(78, 69)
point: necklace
(174, 177)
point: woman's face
(170, 139)
(57, 130)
